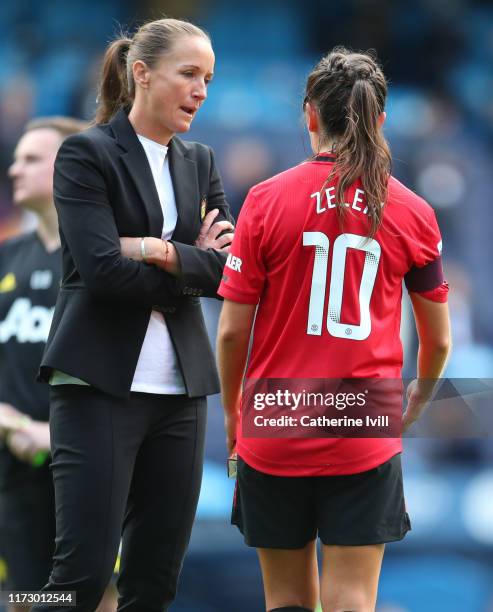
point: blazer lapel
(186, 187)
(138, 167)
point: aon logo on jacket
(26, 322)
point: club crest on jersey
(203, 207)
(234, 263)
(8, 283)
(41, 279)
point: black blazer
(104, 189)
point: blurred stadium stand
(438, 55)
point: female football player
(318, 257)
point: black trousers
(130, 469)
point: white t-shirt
(157, 368)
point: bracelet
(143, 249)
(167, 251)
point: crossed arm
(90, 236)
(162, 253)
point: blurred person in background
(348, 491)
(128, 358)
(246, 161)
(30, 267)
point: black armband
(426, 278)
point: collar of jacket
(183, 175)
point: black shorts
(27, 533)
(288, 512)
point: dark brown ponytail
(114, 91)
(349, 91)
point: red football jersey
(329, 299)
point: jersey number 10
(319, 280)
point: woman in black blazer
(128, 357)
